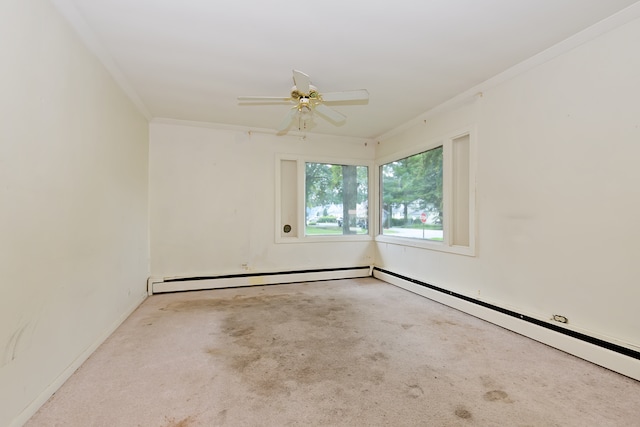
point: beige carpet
(337, 353)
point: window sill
(426, 244)
(326, 239)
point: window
(322, 199)
(412, 202)
(427, 197)
(336, 199)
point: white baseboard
(33, 407)
(609, 359)
(186, 284)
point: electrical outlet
(559, 318)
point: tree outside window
(336, 199)
(412, 192)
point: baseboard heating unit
(179, 284)
(603, 352)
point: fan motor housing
(308, 101)
(313, 93)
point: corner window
(427, 198)
(336, 199)
(412, 196)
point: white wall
(73, 210)
(558, 194)
(212, 202)
(558, 199)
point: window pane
(336, 199)
(412, 196)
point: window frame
(447, 195)
(301, 200)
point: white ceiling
(191, 59)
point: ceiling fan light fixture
(305, 116)
(309, 100)
(305, 110)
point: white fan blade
(288, 119)
(330, 113)
(263, 98)
(347, 95)
(301, 81)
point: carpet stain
(242, 362)
(214, 351)
(280, 343)
(217, 304)
(488, 382)
(272, 386)
(378, 356)
(495, 395)
(221, 417)
(240, 332)
(414, 391)
(462, 413)
(185, 422)
(441, 322)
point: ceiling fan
(308, 100)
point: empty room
(420, 213)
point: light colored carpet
(337, 353)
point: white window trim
(447, 170)
(301, 175)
